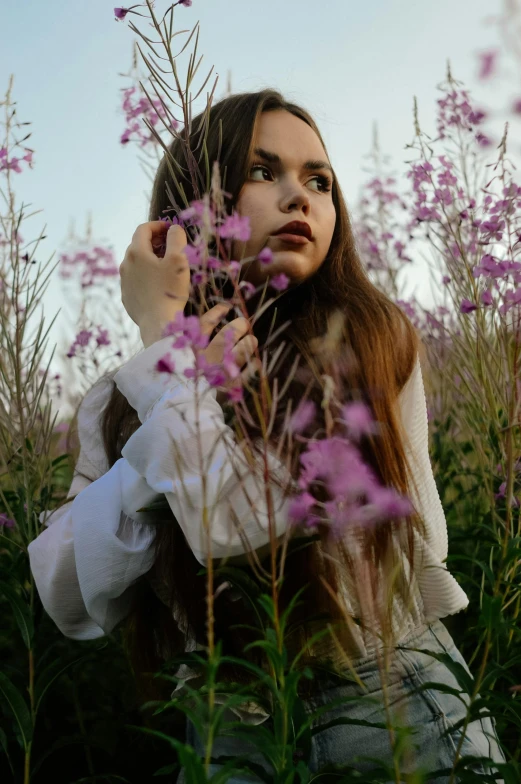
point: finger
(176, 240)
(146, 234)
(239, 327)
(244, 349)
(213, 317)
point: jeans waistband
(430, 636)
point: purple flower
(215, 375)
(467, 306)
(337, 462)
(247, 288)
(385, 503)
(235, 393)
(486, 298)
(358, 419)
(265, 256)
(120, 13)
(233, 269)
(279, 282)
(302, 416)
(103, 337)
(6, 521)
(188, 332)
(487, 63)
(300, 507)
(235, 227)
(165, 364)
(502, 494)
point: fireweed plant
(28, 469)
(338, 494)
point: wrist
(151, 330)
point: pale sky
(350, 63)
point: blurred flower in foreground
(6, 522)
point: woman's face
(295, 188)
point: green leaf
(381, 725)
(491, 616)
(190, 761)
(161, 505)
(4, 745)
(51, 673)
(464, 679)
(441, 687)
(21, 612)
(60, 459)
(19, 708)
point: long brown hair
(382, 346)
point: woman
(98, 562)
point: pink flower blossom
(279, 282)
(265, 256)
(102, 338)
(83, 337)
(187, 330)
(487, 63)
(358, 419)
(120, 13)
(235, 227)
(302, 417)
(247, 288)
(165, 364)
(467, 306)
(5, 521)
(233, 269)
(299, 507)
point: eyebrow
(272, 157)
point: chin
(294, 265)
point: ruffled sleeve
(185, 451)
(91, 552)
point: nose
(297, 197)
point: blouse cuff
(143, 385)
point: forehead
(281, 132)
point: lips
(296, 227)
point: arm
(413, 412)
(90, 553)
(85, 563)
(172, 454)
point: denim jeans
(429, 712)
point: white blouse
(93, 549)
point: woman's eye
(324, 182)
(258, 166)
